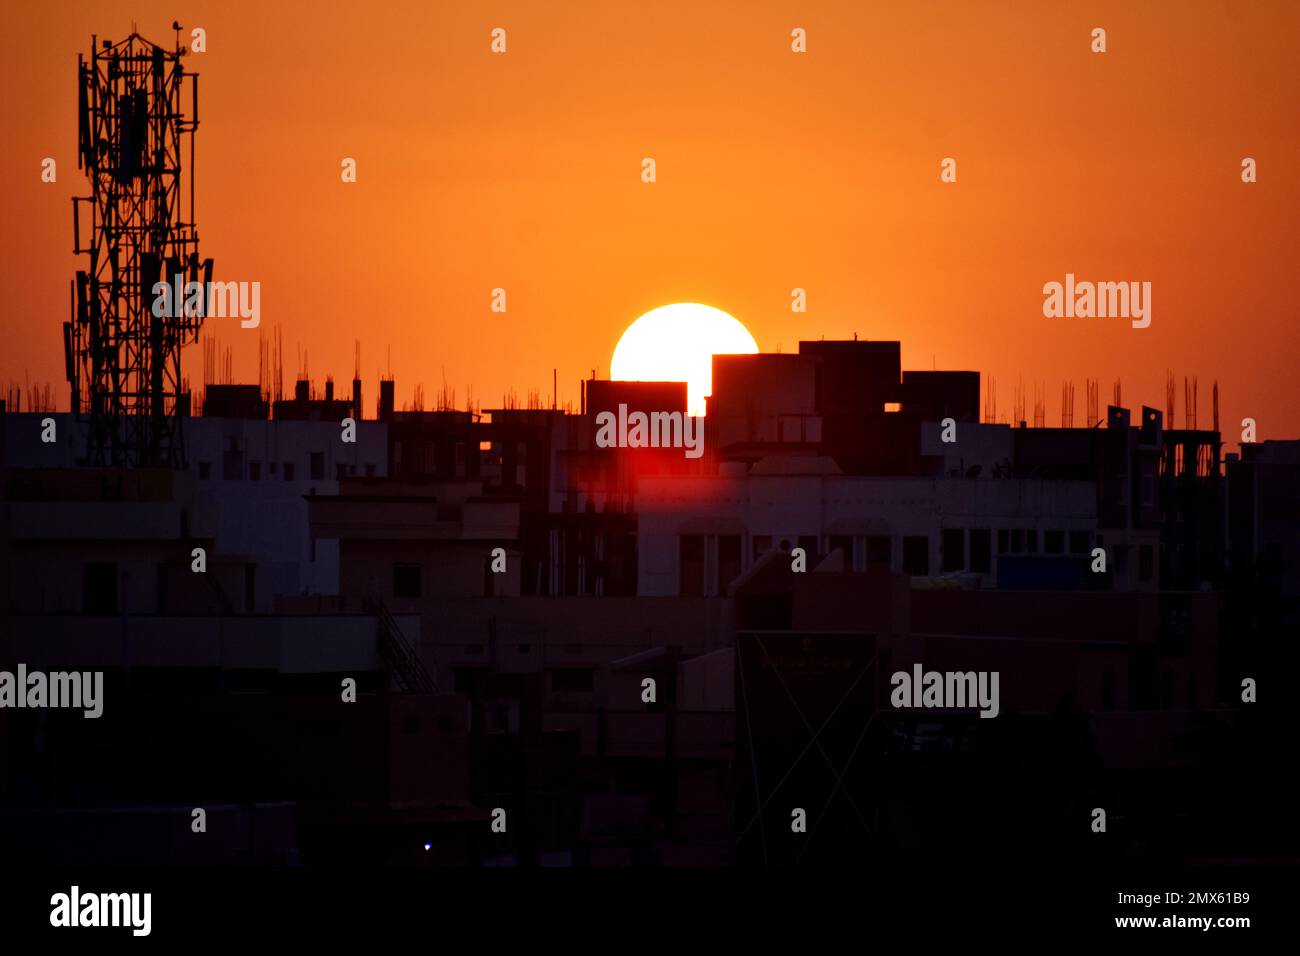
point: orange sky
(775, 170)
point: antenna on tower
(131, 125)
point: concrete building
(646, 650)
(697, 535)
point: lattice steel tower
(123, 362)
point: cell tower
(123, 362)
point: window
(340, 471)
(254, 471)
(317, 466)
(843, 543)
(205, 470)
(1146, 562)
(762, 543)
(232, 463)
(460, 459)
(1078, 542)
(690, 564)
(288, 471)
(1054, 542)
(728, 560)
(162, 604)
(1148, 491)
(879, 550)
(916, 555)
(789, 429)
(809, 544)
(953, 547)
(574, 680)
(406, 580)
(99, 588)
(501, 716)
(981, 540)
(1031, 540)
(1003, 540)
(1017, 540)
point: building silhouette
(502, 589)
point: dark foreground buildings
(643, 658)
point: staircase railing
(399, 654)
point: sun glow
(676, 343)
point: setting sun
(676, 343)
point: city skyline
(479, 170)
(448, 445)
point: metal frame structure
(123, 362)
